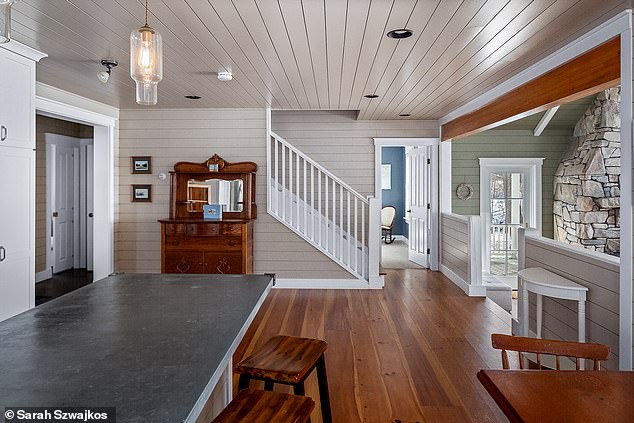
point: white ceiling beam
(545, 120)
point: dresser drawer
(200, 243)
(184, 262)
(202, 229)
(232, 229)
(228, 264)
(175, 229)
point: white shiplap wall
(599, 273)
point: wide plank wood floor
(407, 353)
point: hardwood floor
(60, 284)
(408, 353)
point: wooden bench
(254, 406)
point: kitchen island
(157, 347)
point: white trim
(324, 284)
(379, 143)
(446, 169)
(532, 187)
(43, 275)
(104, 131)
(544, 121)
(613, 27)
(626, 295)
(470, 290)
(24, 50)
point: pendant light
(146, 62)
(5, 20)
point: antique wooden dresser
(192, 244)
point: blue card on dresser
(212, 211)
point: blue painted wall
(396, 196)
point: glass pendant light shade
(5, 20)
(146, 63)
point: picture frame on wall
(141, 193)
(386, 176)
(141, 165)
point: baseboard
(44, 275)
(470, 290)
(326, 284)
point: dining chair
(576, 350)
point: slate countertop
(145, 344)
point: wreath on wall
(464, 191)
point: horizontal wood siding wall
(455, 245)
(602, 304)
(170, 136)
(343, 144)
(507, 143)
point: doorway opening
(405, 180)
(64, 207)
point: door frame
(534, 191)
(379, 143)
(104, 195)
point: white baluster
(334, 218)
(327, 197)
(349, 230)
(277, 181)
(297, 195)
(283, 182)
(363, 239)
(356, 234)
(319, 206)
(312, 202)
(341, 223)
(290, 186)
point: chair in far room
(388, 214)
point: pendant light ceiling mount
(146, 62)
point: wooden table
(561, 396)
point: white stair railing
(322, 209)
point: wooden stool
(288, 360)
(266, 407)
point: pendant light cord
(145, 12)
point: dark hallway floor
(60, 284)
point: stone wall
(587, 187)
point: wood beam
(596, 70)
(544, 121)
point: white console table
(542, 282)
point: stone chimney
(587, 182)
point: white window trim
(533, 168)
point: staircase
(323, 210)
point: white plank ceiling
(306, 54)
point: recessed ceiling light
(404, 115)
(193, 97)
(371, 96)
(399, 34)
(225, 76)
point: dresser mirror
(214, 181)
(228, 193)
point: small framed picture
(141, 193)
(141, 164)
(212, 211)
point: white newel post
(475, 253)
(374, 243)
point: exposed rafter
(544, 121)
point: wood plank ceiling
(306, 54)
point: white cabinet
(16, 232)
(17, 178)
(17, 82)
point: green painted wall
(465, 153)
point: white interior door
(63, 200)
(418, 209)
